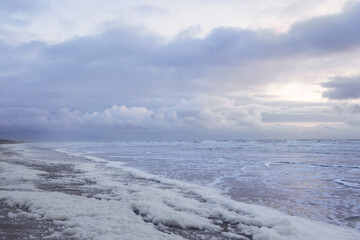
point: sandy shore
(14, 222)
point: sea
(316, 179)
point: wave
(267, 164)
(347, 184)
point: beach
(47, 194)
(180, 120)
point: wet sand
(14, 222)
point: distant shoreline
(5, 141)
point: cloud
(352, 111)
(129, 63)
(201, 116)
(206, 112)
(327, 33)
(16, 6)
(126, 66)
(302, 117)
(224, 45)
(342, 88)
(17, 12)
(114, 117)
(214, 112)
(146, 9)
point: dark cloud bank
(342, 88)
(128, 66)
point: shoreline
(15, 222)
(95, 200)
(6, 141)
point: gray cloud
(128, 63)
(16, 12)
(188, 118)
(299, 117)
(146, 9)
(17, 5)
(342, 88)
(318, 35)
(200, 116)
(127, 66)
(205, 112)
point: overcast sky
(166, 69)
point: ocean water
(316, 179)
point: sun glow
(296, 91)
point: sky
(165, 69)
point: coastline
(6, 141)
(98, 200)
(15, 222)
